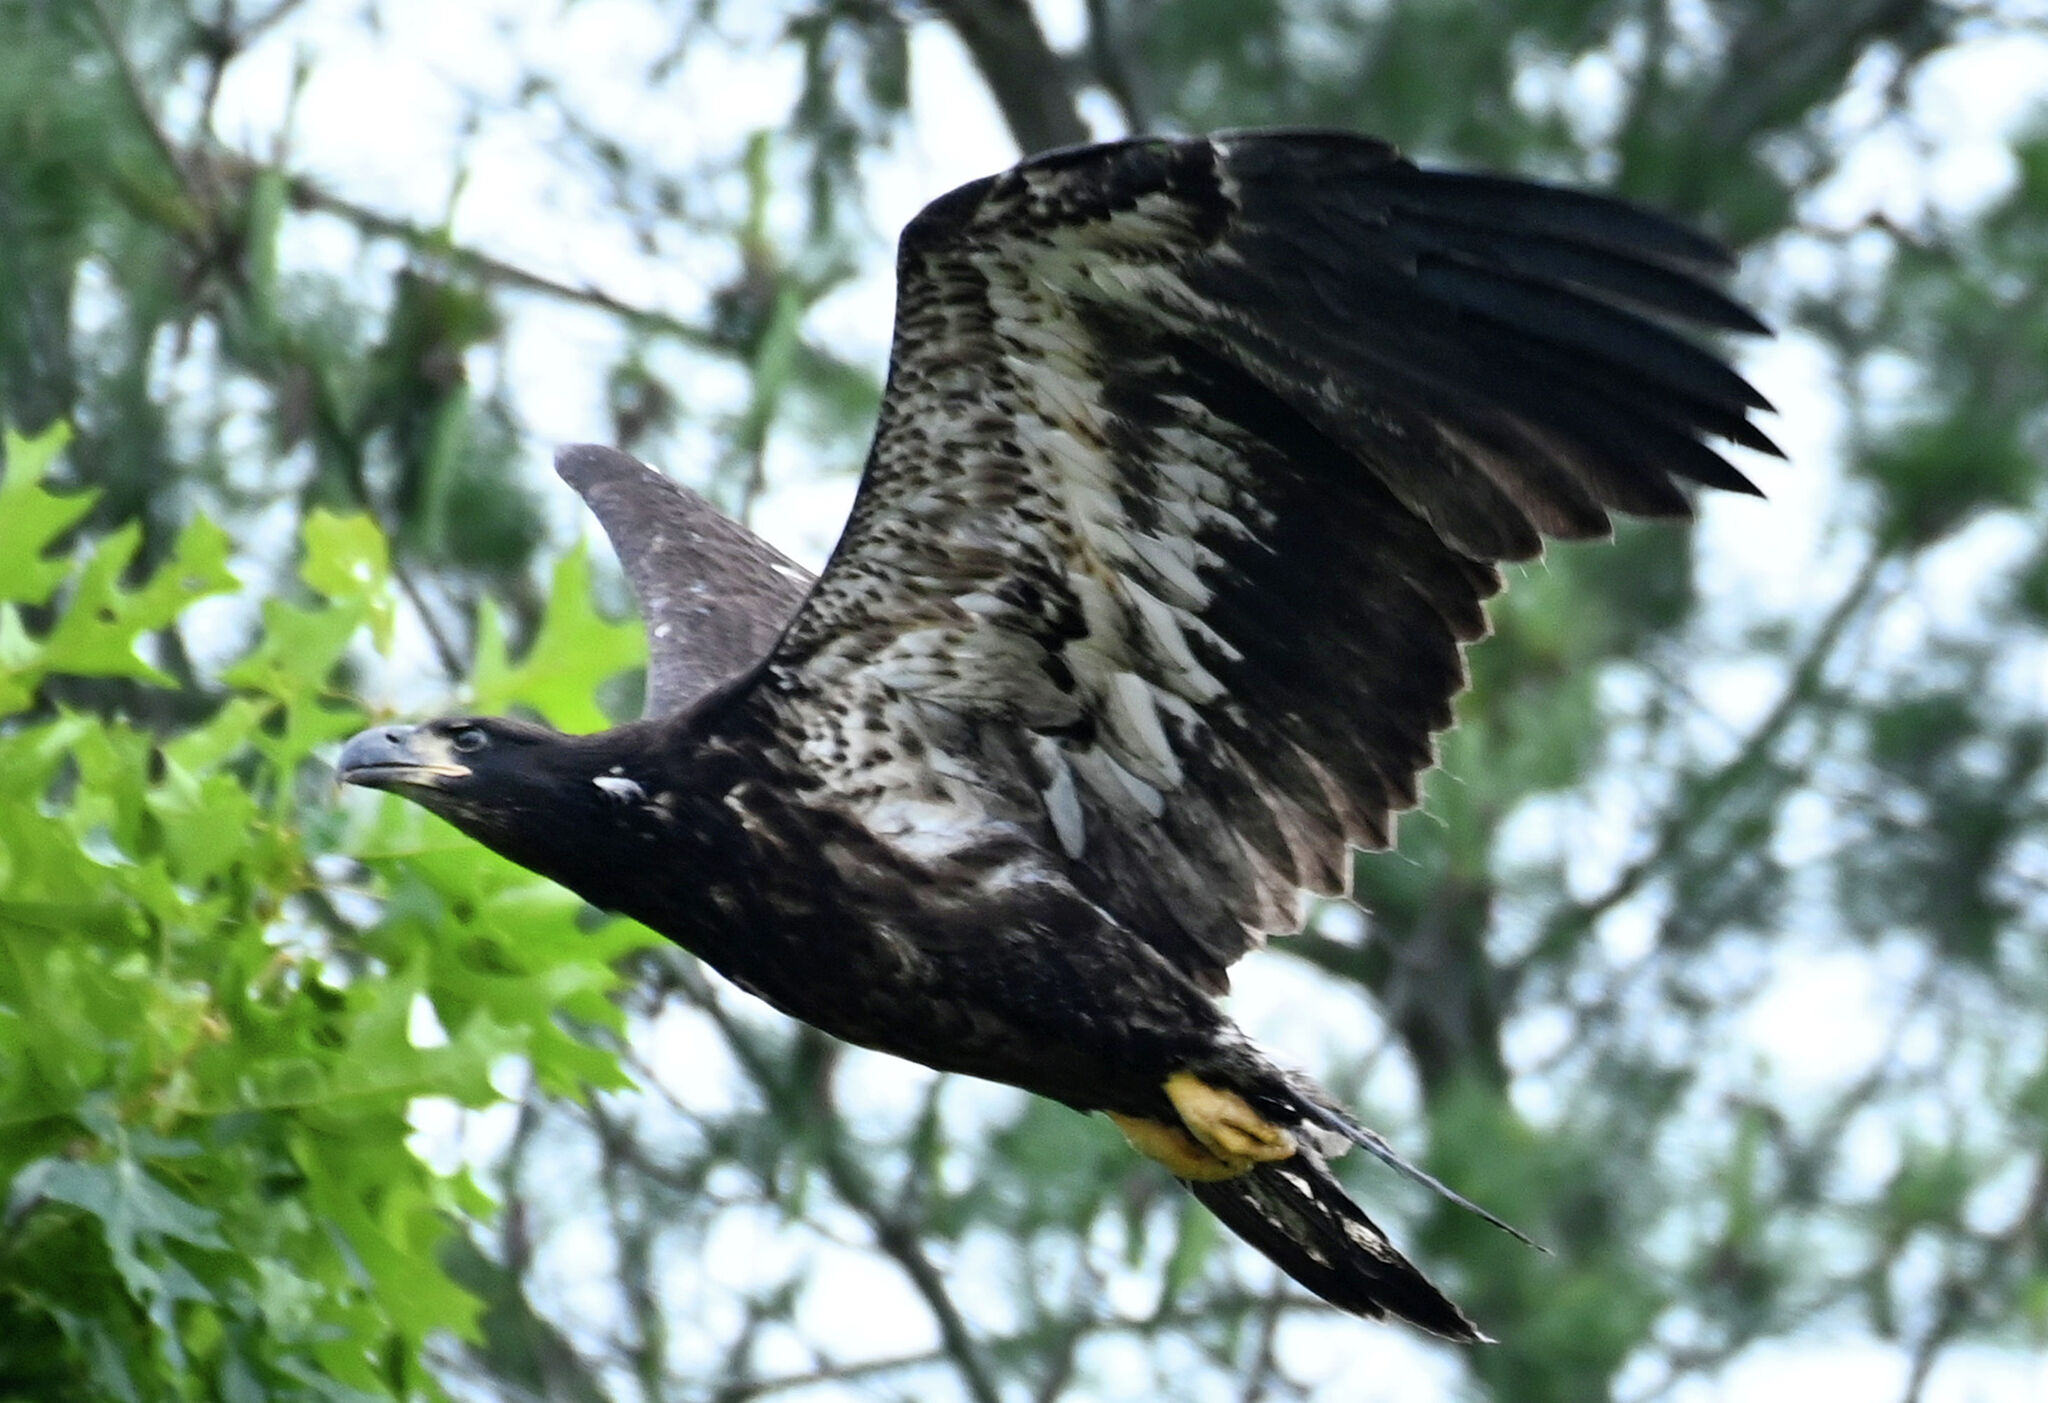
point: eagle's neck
(636, 820)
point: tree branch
(307, 194)
(1122, 78)
(899, 1237)
(1570, 922)
(138, 98)
(1784, 58)
(1029, 81)
(1278, 1304)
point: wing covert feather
(1195, 465)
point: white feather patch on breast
(620, 789)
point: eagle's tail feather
(1375, 1144)
(1295, 1212)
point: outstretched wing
(1193, 470)
(714, 596)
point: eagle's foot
(1219, 1137)
(1182, 1154)
(1225, 1123)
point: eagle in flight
(1196, 463)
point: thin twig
(138, 98)
(900, 1240)
(306, 194)
(896, 1238)
(248, 30)
(635, 1242)
(1265, 1363)
(1574, 919)
(1079, 1327)
(444, 647)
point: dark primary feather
(1194, 467)
(1194, 470)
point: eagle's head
(551, 802)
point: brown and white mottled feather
(1194, 471)
(1194, 466)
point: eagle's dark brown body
(963, 965)
(1194, 470)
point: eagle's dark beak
(398, 757)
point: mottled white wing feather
(1194, 464)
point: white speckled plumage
(1195, 466)
(1076, 489)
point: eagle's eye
(469, 739)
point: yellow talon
(1173, 1147)
(1223, 1121)
(1220, 1136)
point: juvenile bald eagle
(1196, 462)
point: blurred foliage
(210, 1041)
(1683, 813)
